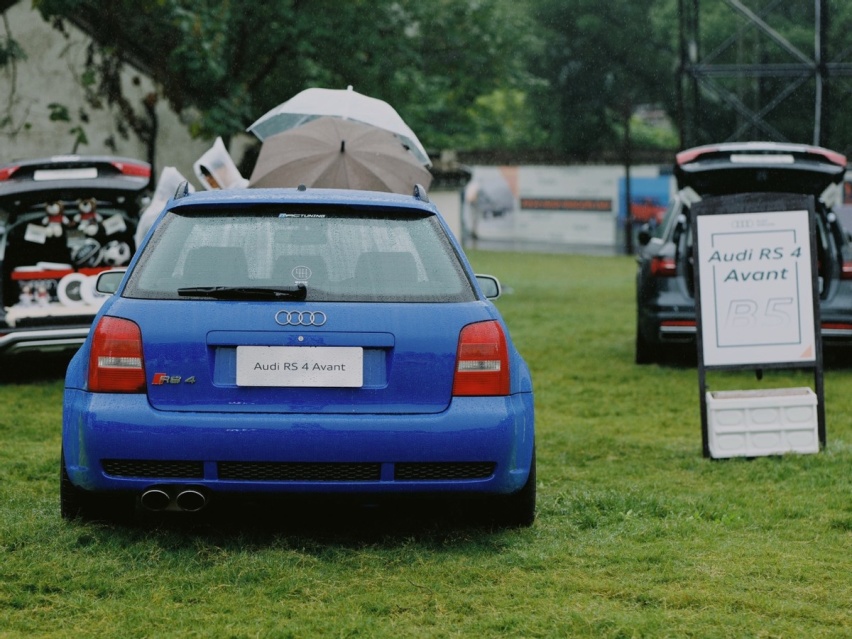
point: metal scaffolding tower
(754, 71)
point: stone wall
(50, 75)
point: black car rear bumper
(48, 340)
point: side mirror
(490, 286)
(644, 234)
(109, 281)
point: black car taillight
(132, 169)
(663, 267)
(846, 271)
(678, 324)
(7, 171)
(837, 326)
(116, 363)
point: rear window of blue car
(337, 255)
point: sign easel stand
(757, 308)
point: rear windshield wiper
(298, 292)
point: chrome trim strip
(690, 330)
(837, 332)
(677, 330)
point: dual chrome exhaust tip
(160, 498)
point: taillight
(846, 271)
(132, 169)
(663, 267)
(832, 156)
(7, 171)
(678, 324)
(482, 361)
(689, 155)
(116, 364)
(837, 326)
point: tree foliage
(601, 60)
(465, 74)
(454, 70)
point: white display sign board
(756, 288)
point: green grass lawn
(637, 534)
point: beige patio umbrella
(332, 153)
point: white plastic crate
(762, 422)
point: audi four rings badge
(301, 273)
(300, 318)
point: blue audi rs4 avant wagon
(297, 341)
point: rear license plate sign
(306, 366)
(42, 175)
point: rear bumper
(119, 443)
(42, 340)
(667, 326)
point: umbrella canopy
(335, 153)
(345, 104)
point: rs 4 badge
(164, 378)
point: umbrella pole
(348, 102)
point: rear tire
(71, 498)
(518, 509)
(644, 354)
(76, 503)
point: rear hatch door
(345, 306)
(364, 358)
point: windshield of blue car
(335, 255)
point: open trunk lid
(758, 167)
